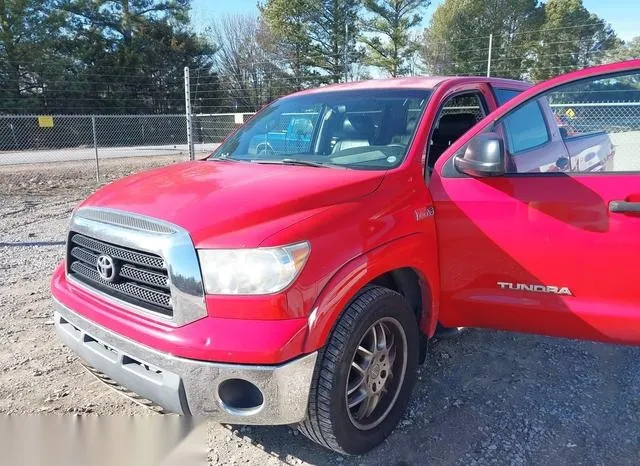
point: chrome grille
(140, 279)
(144, 276)
(116, 252)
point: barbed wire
(513, 48)
(85, 68)
(56, 80)
(293, 77)
(161, 89)
(87, 110)
(257, 96)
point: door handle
(624, 206)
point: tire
(330, 422)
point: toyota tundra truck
(301, 285)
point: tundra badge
(535, 288)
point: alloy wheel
(377, 371)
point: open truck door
(538, 211)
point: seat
(356, 131)
(450, 127)
(406, 136)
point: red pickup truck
(300, 285)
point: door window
(525, 128)
(588, 126)
(599, 121)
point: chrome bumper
(185, 386)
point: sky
(623, 15)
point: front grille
(140, 278)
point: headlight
(251, 271)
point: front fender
(415, 251)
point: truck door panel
(546, 250)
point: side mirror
(484, 156)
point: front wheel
(364, 375)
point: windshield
(368, 129)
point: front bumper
(186, 386)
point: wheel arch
(407, 281)
(399, 265)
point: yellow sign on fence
(45, 121)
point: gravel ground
(483, 397)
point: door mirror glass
(483, 156)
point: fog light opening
(240, 397)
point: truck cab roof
(417, 82)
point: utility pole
(489, 58)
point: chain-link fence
(58, 149)
(68, 138)
(212, 128)
(619, 120)
(612, 117)
(55, 149)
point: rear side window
(525, 128)
(468, 104)
(504, 95)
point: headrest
(411, 124)
(357, 124)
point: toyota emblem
(106, 267)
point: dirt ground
(483, 397)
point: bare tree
(247, 62)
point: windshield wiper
(306, 163)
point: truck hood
(234, 204)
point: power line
(522, 58)
(530, 31)
(514, 48)
(543, 29)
